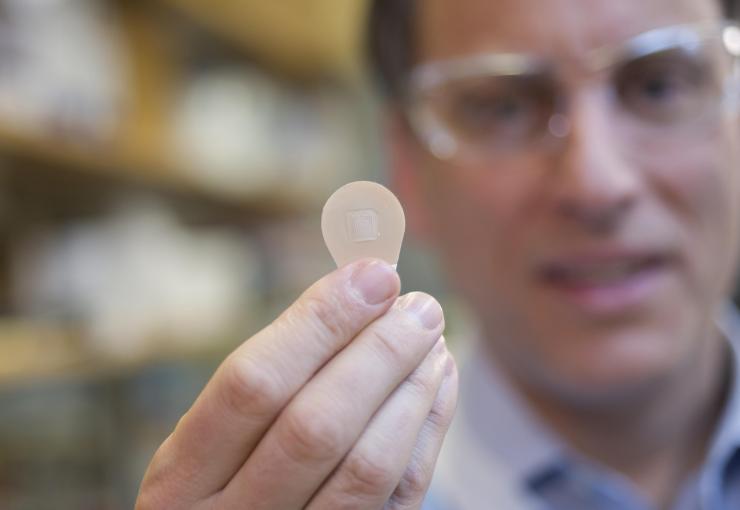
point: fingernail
(424, 307)
(376, 282)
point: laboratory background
(163, 165)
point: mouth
(607, 283)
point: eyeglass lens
(662, 91)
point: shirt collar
(502, 422)
(727, 438)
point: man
(574, 163)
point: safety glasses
(667, 83)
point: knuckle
(147, 500)
(426, 302)
(411, 488)
(366, 475)
(423, 382)
(443, 409)
(152, 499)
(158, 488)
(440, 416)
(310, 436)
(326, 314)
(249, 388)
(388, 346)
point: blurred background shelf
(33, 353)
(165, 106)
(162, 169)
(299, 38)
(74, 159)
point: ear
(406, 175)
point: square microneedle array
(362, 225)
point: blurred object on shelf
(79, 445)
(135, 94)
(37, 160)
(53, 445)
(324, 143)
(63, 70)
(37, 353)
(137, 281)
(298, 256)
(237, 131)
(301, 38)
(226, 132)
(150, 404)
(29, 349)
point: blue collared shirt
(497, 455)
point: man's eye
(664, 88)
(481, 111)
(660, 88)
(501, 109)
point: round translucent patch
(363, 219)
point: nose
(595, 186)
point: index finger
(255, 382)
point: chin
(620, 364)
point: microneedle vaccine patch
(362, 226)
(363, 219)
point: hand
(342, 402)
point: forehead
(453, 28)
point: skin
(650, 377)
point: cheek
(492, 199)
(481, 217)
(701, 194)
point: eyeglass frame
(426, 76)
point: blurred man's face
(596, 262)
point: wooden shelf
(33, 352)
(139, 152)
(109, 162)
(299, 38)
(296, 37)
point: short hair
(391, 45)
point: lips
(607, 281)
(599, 273)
